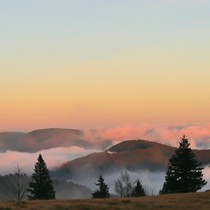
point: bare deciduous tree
(17, 188)
(123, 185)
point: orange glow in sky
(78, 65)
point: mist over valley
(80, 156)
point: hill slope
(64, 189)
(47, 138)
(133, 155)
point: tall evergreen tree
(103, 191)
(138, 190)
(184, 173)
(41, 187)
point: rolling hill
(44, 139)
(133, 155)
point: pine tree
(103, 191)
(41, 186)
(138, 190)
(184, 173)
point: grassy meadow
(189, 201)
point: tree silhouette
(103, 191)
(123, 186)
(17, 187)
(41, 186)
(184, 173)
(138, 190)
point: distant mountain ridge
(133, 155)
(44, 139)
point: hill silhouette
(133, 155)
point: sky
(104, 63)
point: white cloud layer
(53, 157)
(151, 181)
(169, 134)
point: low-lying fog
(151, 181)
(100, 140)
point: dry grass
(189, 201)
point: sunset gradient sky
(98, 63)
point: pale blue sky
(89, 29)
(143, 51)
